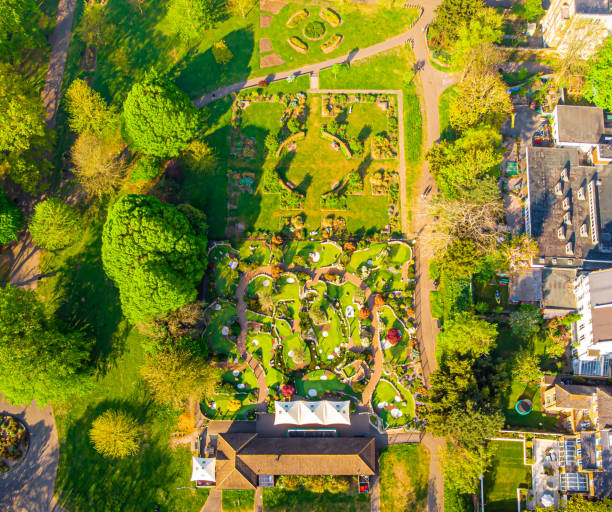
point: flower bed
(13, 441)
(297, 18)
(332, 17)
(314, 30)
(332, 43)
(297, 44)
(289, 140)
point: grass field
(404, 478)
(506, 474)
(157, 475)
(237, 500)
(276, 499)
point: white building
(593, 332)
(569, 25)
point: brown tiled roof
(241, 458)
(604, 407)
(573, 397)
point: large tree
(115, 434)
(484, 29)
(526, 367)
(526, 322)
(21, 112)
(482, 98)
(40, 360)
(520, 252)
(467, 333)
(88, 112)
(457, 165)
(55, 225)
(153, 254)
(159, 119)
(19, 29)
(188, 18)
(175, 376)
(597, 87)
(451, 16)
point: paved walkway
(25, 258)
(258, 500)
(213, 503)
(29, 487)
(374, 493)
(59, 41)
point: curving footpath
(315, 275)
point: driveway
(29, 486)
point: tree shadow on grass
(87, 481)
(199, 73)
(89, 301)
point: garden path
(213, 502)
(257, 368)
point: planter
(297, 44)
(332, 43)
(297, 18)
(314, 31)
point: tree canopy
(451, 16)
(597, 86)
(466, 333)
(484, 29)
(88, 112)
(158, 118)
(526, 322)
(11, 219)
(18, 27)
(115, 434)
(153, 254)
(40, 360)
(175, 376)
(457, 165)
(189, 17)
(55, 225)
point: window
(580, 327)
(566, 203)
(581, 337)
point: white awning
(300, 412)
(203, 469)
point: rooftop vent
(566, 203)
(559, 189)
(567, 219)
(581, 194)
(554, 261)
(584, 231)
(561, 233)
(569, 249)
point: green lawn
(312, 380)
(385, 394)
(88, 482)
(404, 478)
(276, 499)
(507, 473)
(446, 131)
(237, 500)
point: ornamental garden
(316, 316)
(313, 165)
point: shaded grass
(506, 474)
(404, 478)
(157, 475)
(446, 131)
(280, 500)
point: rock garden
(318, 316)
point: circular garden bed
(13, 442)
(314, 30)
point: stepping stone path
(272, 59)
(265, 45)
(264, 20)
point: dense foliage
(153, 254)
(88, 112)
(599, 77)
(55, 225)
(40, 359)
(115, 434)
(11, 219)
(158, 118)
(17, 29)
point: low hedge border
(345, 149)
(288, 140)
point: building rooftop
(526, 287)
(242, 458)
(587, 446)
(593, 7)
(558, 295)
(580, 125)
(562, 197)
(604, 407)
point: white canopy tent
(203, 469)
(312, 413)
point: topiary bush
(314, 30)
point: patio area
(545, 473)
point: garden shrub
(11, 219)
(291, 199)
(146, 168)
(332, 17)
(297, 18)
(55, 225)
(297, 44)
(354, 183)
(331, 44)
(314, 30)
(334, 201)
(271, 143)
